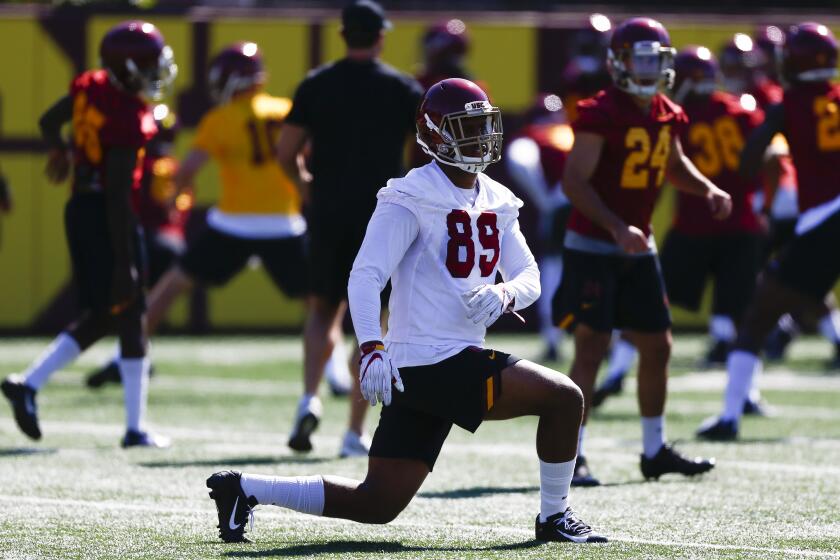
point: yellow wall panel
(284, 44)
(504, 57)
(17, 268)
(18, 103)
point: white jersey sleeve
(519, 268)
(391, 231)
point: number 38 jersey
(240, 135)
(634, 156)
(436, 245)
(812, 129)
(105, 117)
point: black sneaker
(232, 505)
(717, 354)
(582, 476)
(307, 418)
(22, 398)
(564, 526)
(612, 386)
(109, 373)
(144, 439)
(718, 429)
(776, 344)
(758, 407)
(667, 460)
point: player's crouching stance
(440, 234)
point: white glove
(377, 373)
(487, 302)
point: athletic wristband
(371, 346)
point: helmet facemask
(151, 83)
(644, 69)
(470, 140)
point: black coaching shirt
(358, 115)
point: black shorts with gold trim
(458, 390)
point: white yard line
(482, 530)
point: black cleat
(564, 526)
(22, 398)
(144, 439)
(612, 386)
(307, 417)
(582, 476)
(109, 373)
(232, 505)
(758, 407)
(718, 429)
(776, 344)
(717, 354)
(667, 460)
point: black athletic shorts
(91, 253)
(458, 390)
(334, 242)
(162, 255)
(608, 292)
(781, 233)
(810, 264)
(557, 230)
(731, 260)
(215, 257)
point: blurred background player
(627, 140)
(809, 266)
(112, 122)
(161, 211)
(356, 115)
(534, 159)
(585, 73)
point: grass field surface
(228, 403)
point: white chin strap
(470, 164)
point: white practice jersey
(435, 242)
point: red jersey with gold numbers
(105, 117)
(631, 168)
(713, 141)
(812, 128)
(766, 92)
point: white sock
(551, 272)
(787, 324)
(337, 370)
(299, 493)
(830, 326)
(742, 367)
(63, 350)
(581, 433)
(653, 435)
(555, 481)
(621, 359)
(135, 379)
(722, 328)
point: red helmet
(457, 125)
(137, 59)
(809, 53)
(769, 40)
(739, 60)
(448, 39)
(640, 57)
(237, 68)
(695, 72)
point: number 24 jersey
(631, 168)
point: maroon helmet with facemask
(457, 125)
(137, 59)
(236, 68)
(809, 54)
(695, 72)
(640, 57)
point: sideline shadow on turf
(361, 547)
(478, 491)
(21, 451)
(235, 462)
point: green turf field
(228, 402)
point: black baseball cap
(365, 16)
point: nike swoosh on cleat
(231, 524)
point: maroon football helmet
(809, 54)
(237, 68)
(448, 39)
(769, 40)
(640, 58)
(137, 59)
(695, 72)
(739, 61)
(457, 125)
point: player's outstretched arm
(687, 178)
(755, 150)
(119, 169)
(50, 123)
(519, 268)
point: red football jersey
(631, 169)
(812, 128)
(713, 141)
(105, 117)
(554, 141)
(154, 199)
(766, 92)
